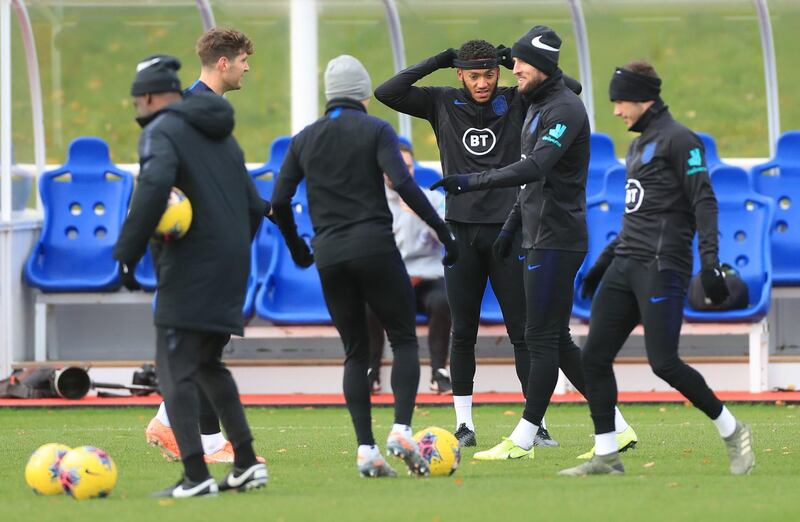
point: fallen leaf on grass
(687, 451)
(509, 413)
(166, 502)
(424, 413)
(706, 461)
(649, 464)
(662, 409)
(282, 450)
(780, 403)
(458, 481)
(308, 408)
(767, 450)
(673, 484)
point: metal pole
(399, 55)
(770, 74)
(584, 61)
(35, 86)
(5, 113)
(6, 325)
(207, 14)
(304, 63)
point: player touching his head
(645, 270)
(551, 208)
(477, 128)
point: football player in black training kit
(551, 208)
(477, 128)
(645, 270)
(342, 157)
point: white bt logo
(479, 141)
(634, 195)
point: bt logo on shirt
(634, 195)
(479, 141)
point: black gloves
(444, 60)
(714, 285)
(126, 276)
(447, 239)
(504, 56)
(592, 278)
(301, 254)
(501, 247)
(454, 185)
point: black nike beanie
(156, 73)
(539, 47)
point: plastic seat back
(85, 203)
(779, 179)
(604, 213)
(744, 224)
(291, 294)
(601, 159)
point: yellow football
(440, 450)
(42, 473)
(177, 217)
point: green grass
(679, 471)
(708, 53)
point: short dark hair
(221, 41)
(642, 67)
(475, 50)
(406, 148)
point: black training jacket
(552, 172)
(668, 195)
(203, 276)
(471, 136)
(342, 157)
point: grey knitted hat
(346, 77)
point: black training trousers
(549, 279)
(381, 282)
(631, 292)
(431, 300)
(186, 361)
(466, 283)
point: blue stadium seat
(145, 272)
(710, 145)
(779, 179)
(601, 159)
(85, 203)
(744, 225)
(490, 308)
(248, 309)
(604, 213)
(291, 294)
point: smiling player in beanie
(551, 208)
(645, 270)
(477, 128)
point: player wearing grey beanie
(346, 77)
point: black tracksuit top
(552, 172)
(471, 136)
(342, 157)
(202, 277)
(668, 195)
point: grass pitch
(678, 472)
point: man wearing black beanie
(202, 277)
(551, 209)
(645, 270)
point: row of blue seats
(73, 253)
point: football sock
(620, 424)
(725, 423)
(368, 451)
(524, 434)
(463, 406)
(402, 428)
(244, 455)
(161, 415)
(213, 443)
(605, 443)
